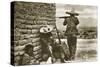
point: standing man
(71, 32)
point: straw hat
(46, 29)
(72, 12)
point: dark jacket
(71, 23)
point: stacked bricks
(28, 18)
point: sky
(87, 15)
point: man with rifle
(71, 32)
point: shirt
(71, 23)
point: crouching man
(46, 40)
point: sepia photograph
(77, 25)
(53, 33)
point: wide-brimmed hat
(46, 29)
(72, 11)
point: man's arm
(65, 19)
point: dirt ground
(86, 50)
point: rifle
(58, 34)
(57, 29)
(63, 17)
(62, 46)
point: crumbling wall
(28, 18)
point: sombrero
(72, 12)
(46, 29)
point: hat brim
(72, 13)
(45, 29)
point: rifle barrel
(63, 17)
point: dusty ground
(86, 50)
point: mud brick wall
(28, 18)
